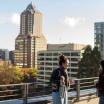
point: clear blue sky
(64, 21)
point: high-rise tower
(99, 37)
(30, 39)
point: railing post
(77, 89)
(25, 94)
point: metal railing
(85, 84)
(24, 91)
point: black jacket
(55, 77)
(100, 84)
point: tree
(32, 72)
(89, 64)
(10, 75)
(29, 74)
(96, 58)
(18, 75)
(13, 74)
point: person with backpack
(55, 81)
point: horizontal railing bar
(86, 78)
(87, 86)
(11, 85)
(86, 83)
(19, 84)
(10, 90)
(10, 95)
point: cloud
(10, 19)
(15, 18)
(73, 21)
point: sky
(63, 22)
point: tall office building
(30, 39)
(4, 54)
(99, 37)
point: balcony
(82, 91)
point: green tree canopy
(89, 64)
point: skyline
(63, 21)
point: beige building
(48, 60)
(63, 47)
(30, 39)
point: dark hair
(102, 64)
(62, 59)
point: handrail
(26, 90)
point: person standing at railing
(100, 84)
(55, 81)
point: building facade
(11, 57)
(4, 54)
(48, 60)
(30, 39)
(99, 37)
(63, 47)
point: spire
(30, 7)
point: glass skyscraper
(99, 37)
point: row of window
(57, 54)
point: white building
(48, 60)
